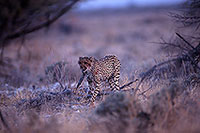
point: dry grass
(33, 101)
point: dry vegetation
(38, 78)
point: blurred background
(129, 29)
(97, 4)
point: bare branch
(42, 25)
(185, 40)
(128, 84)
(172, 45)
(142, 93)
(193, 57)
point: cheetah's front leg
(90, 82)
(97, 90)
(116, 77)
(114, 84)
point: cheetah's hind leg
(96, 92)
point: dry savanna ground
(39, 77)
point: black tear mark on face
(84, 63)
(87, 63)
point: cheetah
(106, 69)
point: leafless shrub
(57, 72)
(181, 66)
(190, 15)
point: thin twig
(142, 93)
(174, 45)
(185, 40)
(128, 84)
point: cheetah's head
(85, 63)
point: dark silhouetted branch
(128, 84)
(42, 25)
(185, 40)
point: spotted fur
(102, 70)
